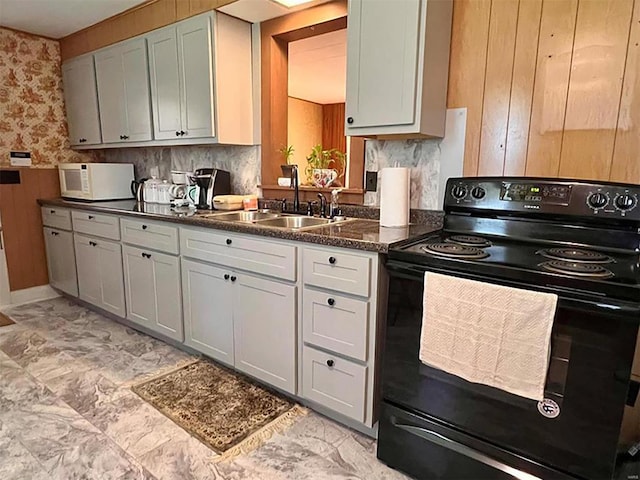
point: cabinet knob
(144, 227)
(146, 255)
(90, 217)
(332, 260)
(233, 278)
(331, 302)
(93, 244)
(177, 134)
(226, 276)
(182, 133)
(349, 120)
(229, 241)
(52, 211)
(55, 234)
(330, 363)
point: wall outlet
(371, 181)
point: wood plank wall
(333, 127)
(552, 87)
(22, 226)
(135, 21)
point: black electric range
(580, 240)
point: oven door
(591, 355)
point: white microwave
(96, 181)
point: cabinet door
(61, 260)
(152, 284)
(194, 53)
(264, 317)
(137, 100)
(81, 99)
(111, 277)
(165, 84)
(89, 288)
(110, 81)
(382, 62)
(208, 310)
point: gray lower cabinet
(264, 313)
(207, 294)
(61, 260)
(99, 264)
(152, 284)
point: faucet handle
(283, 205)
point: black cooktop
(591, 270)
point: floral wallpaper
(31, 101)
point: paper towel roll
(394, 197)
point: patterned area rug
(5, 321)
(226, 411)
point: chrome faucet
(292, 171)
(334, 209)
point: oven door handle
(452, 445)
(611, 306)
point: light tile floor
(66, 412)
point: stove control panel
(542, 196)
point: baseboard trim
(33, 294)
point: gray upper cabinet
(152, 284)
(397, 82)
(180, 62)
(201, 80)
(61, 260)
(81, 101)
(123, 92)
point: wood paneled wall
(551, 87)
(22, 226)
(135, 21)
(333, 127)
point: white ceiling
(256, 11)
(58, 18)
(318, 68)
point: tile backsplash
(243, 162)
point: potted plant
(325, 167)
(287, 152)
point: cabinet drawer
(337, 270)
(150, 235)
(336, 323)
(106, 226)
(56, 218)
(252, 254)
(334, 382)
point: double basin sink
(270, 218)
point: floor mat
(227, 411)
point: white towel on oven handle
(489, 334)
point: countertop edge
(307, 236)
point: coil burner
(454, 250)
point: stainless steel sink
(245, 217)
(295, 222)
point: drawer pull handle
(55, 234)
(226, 276)
(93, 244)
(52, 211)
(332, 260)
(229, 241)
(146, 255)
(331, 302)
(144, 227)
(330, 363)
(233, 278)
(90, 217)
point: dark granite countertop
(357, 233)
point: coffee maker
(211, 182)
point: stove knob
(459, 192)
(478, 193)
(597, 200)
(625, 202)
